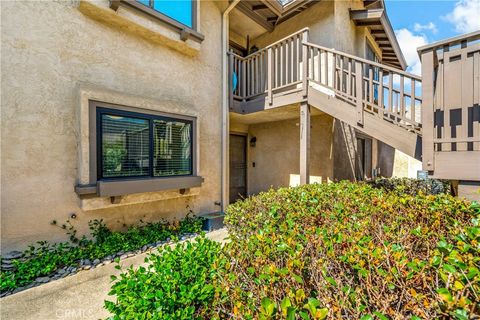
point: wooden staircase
(376, 99)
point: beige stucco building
(74, 72)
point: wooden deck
(379, 100)
(372, 97)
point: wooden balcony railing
(295, 64)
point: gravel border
(84, 264)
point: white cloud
(409, 43)
(428, 27)
(465, 16)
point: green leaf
(449, 268)
(267, 306)
(380, 315)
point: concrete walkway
(79, 296)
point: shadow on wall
(344, 151)
(386, 159)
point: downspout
(225, 107)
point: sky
(417, 23)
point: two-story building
(127, 110)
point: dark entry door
(238, 167)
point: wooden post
(269, 75)
(304, 143)
(359, 91)
(305, 63)
(428, 66)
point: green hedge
(340, 250)
(350, 251)
(412, 186)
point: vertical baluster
(326, 68)
(311, 51)
(269, 75)
(341, 74)
(390, 92)
(257, 74)
(291, 61)
(298, 49)
(402, 97)
(250, 76)
(370, 84)
(244, 78)
(380, 93)
(412, 100)
(358, 91)
(335, 79)
(349, 78)
(282, 64)
(276, 68)
(319, 66)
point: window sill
(139, 23)
(184, 31)
(124, 187)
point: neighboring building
(120, 110)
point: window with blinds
(142, 145)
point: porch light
(253, 142)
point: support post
(305, 63)
(304, 143)
(428, 65)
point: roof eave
(379, 17)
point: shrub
(46, 258)
(349, 251)
(176, 284)
(412, 186)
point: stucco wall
(277, 153)
(49, 50)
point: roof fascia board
(371, 15)
(387, 26)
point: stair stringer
(397, 137)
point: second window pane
(172, 148)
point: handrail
(376, 64)
(469, 37)
(272, 45)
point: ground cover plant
(343, 250)
(46, 258)
(176, 284)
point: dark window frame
(100, 111)
(185, 31)
(95, 135)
